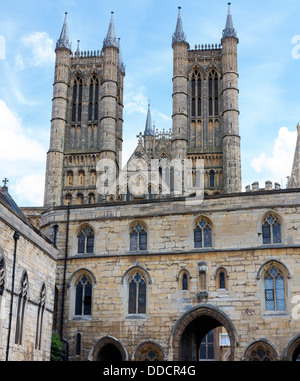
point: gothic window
(196, 94)
(93, 177)
(211, 179)
(260, 351)
(221, 278)
(149, 352)
(70, 178)
(203, 234)
(137, 294)
(138, 238)
(81, 178)
(83, 296)
(22, 299)
(77, 100)
(93, 98)
(92, 198)
(68, 199)
(210, 106)
(271, 229)
(86, 241)
(213, 93)
(184, 281)
(40, 315)
(206, 351)
(274, 290)
(80, 199)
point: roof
(8, 200)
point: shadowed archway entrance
(108, 348)
(193, 326)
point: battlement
(268, 186)
(83, 54)
(208, 47)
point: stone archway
(108, 349)
(292, 352)
(194, 325)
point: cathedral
(165, 257)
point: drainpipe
(64, 281)
(16, 237)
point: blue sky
(268, 60)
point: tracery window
(274, 289)
(138, 238)
(77, 100)
(149, 352)
(86, 241)
(40, 316)
(83, 296)
(137, 294)
(271, 229)
(196, 88)
(203, 234)
(213, 93)
(93, 98)
(21, 309)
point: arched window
(271, 229)
(203, 234)
(137, 294)
(80, 199)
(149, 352)
(211, 179)
(138, 238)
(83, 296)
(184, 280)
(92, 198)
(77, 100)
(260, 351)
(274, 289)
(196, 94)
(81, 178)
(21, 309)
(68, 199)
(221, 278)
(86, 241)
(69, 178)
(40, 315)
(93, 98)
(213, 93)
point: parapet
(268, 186)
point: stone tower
(87, 118)
(205, 107)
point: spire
(229, 30)
(63, 41)
(179, 35)
(148, 128)
(120, 59)
(110, 40)
(77, 53)
(294, 180)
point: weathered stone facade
(149, 276)
(27, 272)
(237, 247)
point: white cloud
(15, 146)
(30, 189)
(279, 163)
(22, 160)
(42, 48)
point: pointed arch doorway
(192, 327)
